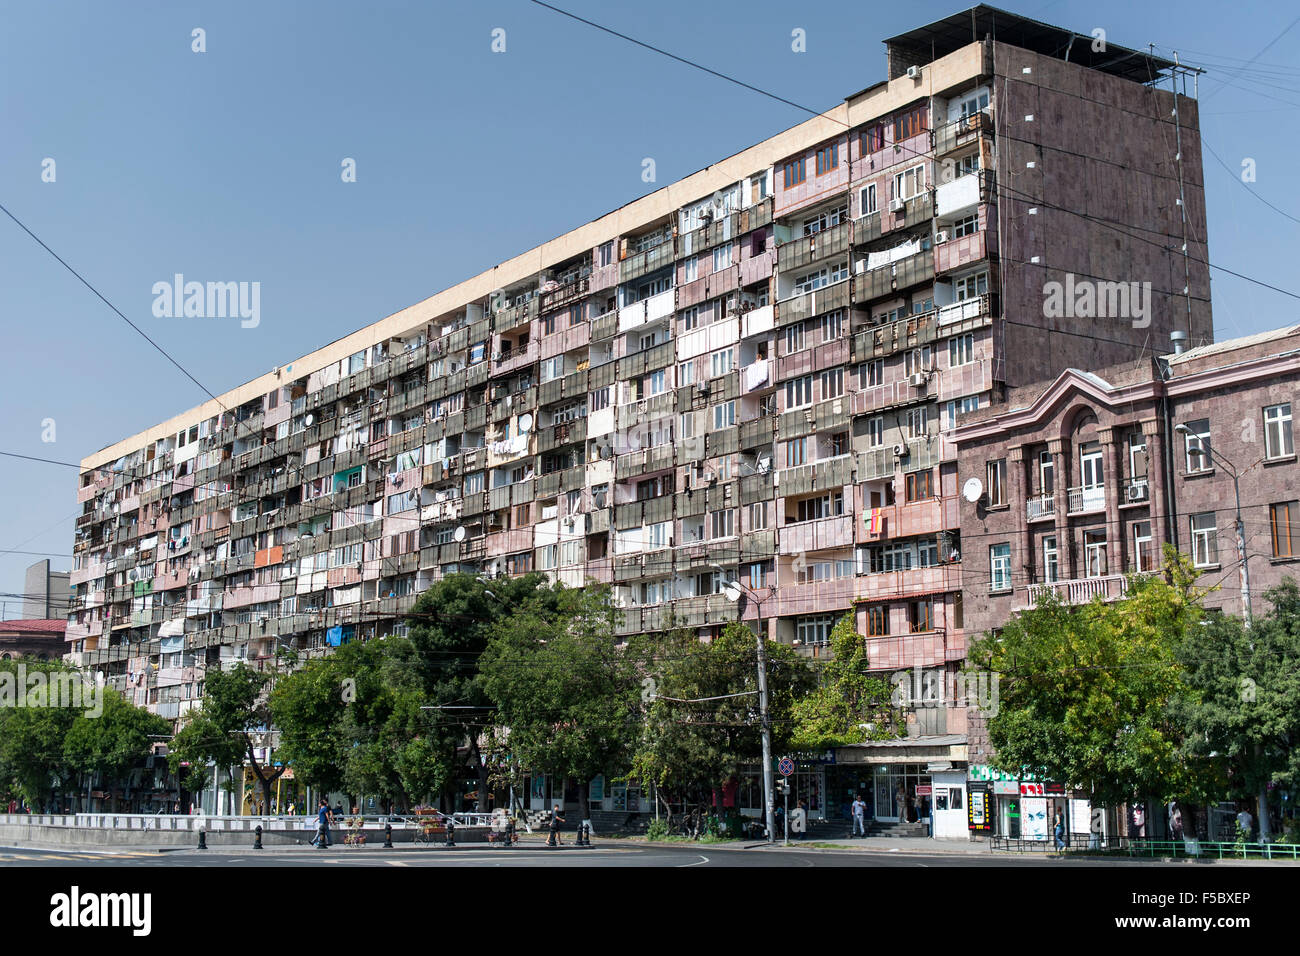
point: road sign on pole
(786, 766)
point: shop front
(909, 780)
(1024, 808)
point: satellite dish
(972, 490)
(732, 593)
(460, 533)
(308, 419)
(525, 423)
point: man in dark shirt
(323, 819)
(556, 819)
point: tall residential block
(759, 367)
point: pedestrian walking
(1245, 822)
(859, 816)
(556, 819)
(324, 818)
(1058, 829)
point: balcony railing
(1110, 587)
(1087, 498)
(1040, 506)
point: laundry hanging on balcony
(883, 258)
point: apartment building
(1078, 482)
(753, 372)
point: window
(918, 485)
(1197, 442)
(1094, 553)
(997, 482)
(691, 269)
(796, 452)
(876, 432)
(686, 373)
(871, 374)
(867, 200)
(813, 280)
(690, 318)
(1051, 560)
(815, 630)
(1277, 431)
(826, 506)
(927, 553)
(1144, 558)
(655, 383)
(920, 616)
(724, 415)
(916, 360)
(606, 253)
(794, 341)
(1204, 539)
(958, 406)
(1284, 519)
(1000, 567)
(832, 383)
(970, 286)
(909, 183)
(757, 516)
(909, 124)
(721, 524)
(872, 138)
(720, 362)
(832, 326)
(828, 158)
(758, 187)
(961, 349)
(966, 226)
(974, 104)
(918, 420)
(878, 620)
(798, 392)
(721, 257)
(600, 399)
(795, 172)
(552, 368)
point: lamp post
(732, 591)
(1261, 798)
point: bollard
(388, 836)
(451, 832)
(257, 837)
(586, 834)
(577, 836)
(203, 838)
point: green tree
(1242, 708)
(451, 623)
(226, 728)
(32, 735)
(566, 692)
(849, 705)
(1085, 692)
(113, 743)
(702, 725)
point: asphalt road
(533, 855)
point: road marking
(397, 863)
(703, 859)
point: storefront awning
(924, 749)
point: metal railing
(1142, 846)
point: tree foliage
(698, 733)
(849, 705)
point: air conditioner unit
(900, 450)
(941, 236)
(913, 72)
(702, 388)
(917, 380)
(1137, 492)
(897, 205)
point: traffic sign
(786, 766)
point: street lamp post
(732, 591)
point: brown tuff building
(1079, 481)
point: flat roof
(953, 32)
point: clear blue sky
(225, 166)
